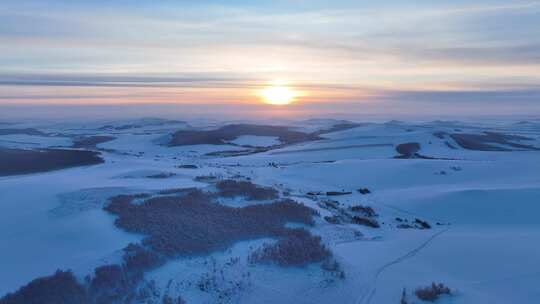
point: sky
(354, 57)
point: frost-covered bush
(195, 224)
(432, 293)
(296, 248)
(59, 288)
(232, 188)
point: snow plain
(486, 248)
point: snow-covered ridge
(374, 209)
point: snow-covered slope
(482, 208)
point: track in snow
(366, 296)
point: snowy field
(461, 210)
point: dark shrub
(60, 288)
(112, 284)
(206, 178)
(365, 221)
(161, 175)
(365, 210)
(280, 212)
(408, 150)
(404, 226)
(297, 248)
(109, 284)
(169, 300)
(335, 193)
(186, 167)
(432, 293)
(423, 224)
(334, 219)
(232, 188)
(364, 191)
(329, 204)
(138, 259)
(91, 141)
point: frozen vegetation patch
(230, 132)
(365, 221)
(91, 141)
(357, 214)
(231, 188)
(161, 175)
(408, 150)
(187, 166)
(108, 284)
(492, 141)
(432, 293)
(195, 224)
(297, 247)
(59, 288)
(416, 224)
(206, 178)
(21, 161)
(147, 174)
(365, 210)
(179, 223)
(25, 131)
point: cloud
(97, 80)
(343, 51)
(493, 97)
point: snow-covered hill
(461, 210)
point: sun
(278, 95)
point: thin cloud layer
(347, 51)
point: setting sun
(278, 95)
